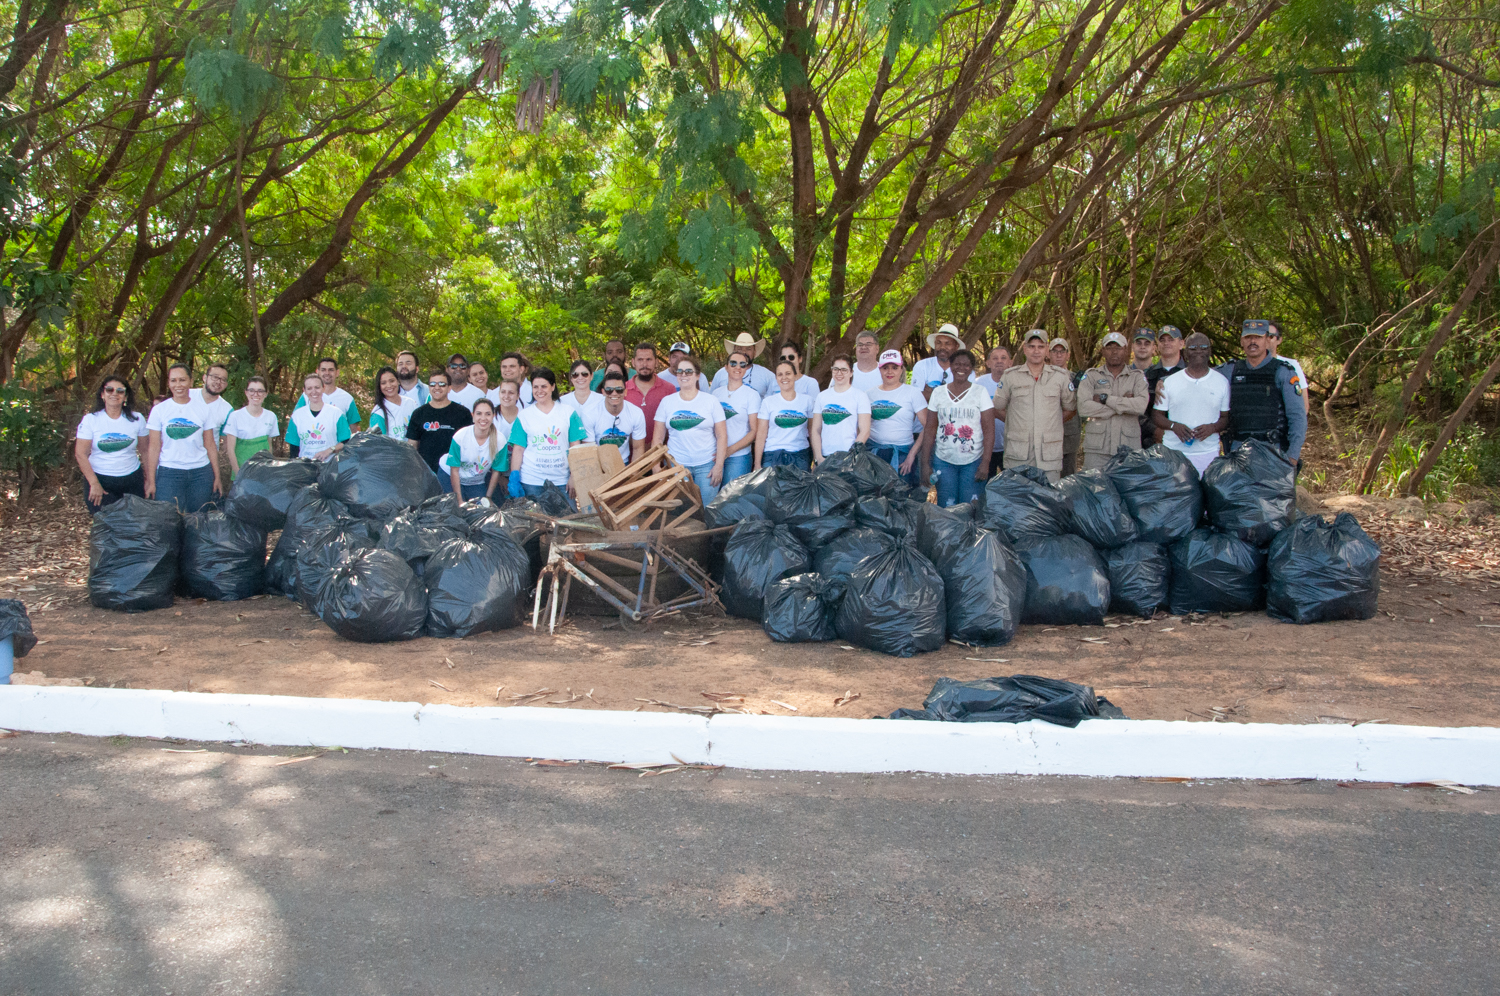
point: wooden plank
(583, 465)
(611, 461)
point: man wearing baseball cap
(1031, 399)
(1170, 360)
(1111, 398)
(1059, 350)
(1143, 346)
(1265, 395)
(931, 371)
(677, 352)
(898, 413)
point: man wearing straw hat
(930, 371)
(758, 377)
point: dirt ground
(1427, 659)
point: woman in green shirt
(250, 429)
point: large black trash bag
(1024, 505)
(1138, 577)
(895, 604)
(985, 586)
(818, 532)
(515, 518)
(222, 559)
(849, 549)
(372, 596)
(1067, 583)
(801, 608)
(864, 472)
(476, 587)
(322, 553)
(1215, 572)
(744, 497)
(1161, 488)
(133, 548)
(415, 534)
(311, 513)
(1251, 493)
(265, 487)
(377, 476)
(1016, 699)
(15, 622)
(946, 529)
(1320, 572)
(799, 495)
(1099, 513)
(896, 516)
(759, 554)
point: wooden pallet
(654, 492)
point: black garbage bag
(133, 548)
(1216, 572)
(223, 559)
(801, 608)
(14, 622)
(377, 476)
(322, 553)
(799, 496)
(818, 532)
(554, 501)
(1099, 513)
(1161, 488)
(718, 514)
(513, 518)
(372, 596)
(1016, 699)
(864, 472)
(265, 487)
(895, 516)
(416, 533)
(895, 604)
(759, 554)
(1251, 493)
(985, 589)
(476, 586)
(1024, 505)
(310, 513)
(1067, 583)
(1323, 571)
(846, 551)
(945, 529)
(1138, 577)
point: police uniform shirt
(1291, 389)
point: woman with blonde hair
(474, 454)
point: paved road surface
(131, 869)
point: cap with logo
(1034, 334)
(1255, 326)
(679, 347)
(1169, 332)
(1145, 333)
(1059, 341)
(1115, 338)
(891, 356)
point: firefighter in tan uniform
(1031, 399)
(1111, 399)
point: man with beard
(646, 390)
(930, 371)
(614, 352)
(409, 380)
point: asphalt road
(128, 868)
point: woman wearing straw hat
(933, 370)
(758, 377)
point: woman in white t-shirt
(476, 457)
(112, 439)
(391, 412)
(898, 411)
(783, 436)
(792, 353)
(507, 401)
(841, 416)
(178, 466)
(544, 432)
(250, 429)
(741, 403)
(691, 423)
(582, 400)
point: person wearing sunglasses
(460, 390)
(617, 422)
(250, 429)
(1192, 406)
(783, 436)
(432, 427)
(581, 399)
(691, 423)
(112, 441)
(677, 352)
(791, 353)
(841, 415)
(741, 403)
(755, 375)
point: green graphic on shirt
(684, 420)
(729, 412)
(883, 409)
(789, 419)
(181, 428)
(834, 414)
(113, 442)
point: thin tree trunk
(1450, 428)
(28, 39)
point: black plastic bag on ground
(133, 548)
(416, 534)
(1067, 583)
(801, 608)
(1162, 490)
(322, 553)
(759, 554)
(985, 589)
(945, 529)
(799, 496)
(1138, 578)
(1016, 699)
(1319, 572)
(846, 551)
(14, 622)
(222, 559)
(1024, 505)
(513, 518)
(372, 596)
(554, 501)
(377, 476)
(1215, 572)
(818, 532)
(310, 513)
(744, 497)
(1099, 513)
(476, 587)
(1251, 493)
(864, 472)
(895, 516)
(894, 604)
(264, 488)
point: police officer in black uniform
(1265, 396)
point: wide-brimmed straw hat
(951, 331)
(745, 341)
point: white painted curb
(1104, 748)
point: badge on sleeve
(1297, 384)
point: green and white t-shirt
(690, 427)
(314, 432)
(473, 459)
(181, 428)
(788, 430)
(894, 419)
(252, 433)
(401, 410)
(841, 411)
(546, 437)
(113, 441)
(340, 399)
(738, 406)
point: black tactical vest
(1256, 410)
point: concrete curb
(1115, 748)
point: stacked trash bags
(367, 542)
(847, 552)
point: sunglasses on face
(738, 363)
(686, 372)
(579, 373)
(789, 357)
(457, 366)
(115, 390)
(437, 383)
(613, 390)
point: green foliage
(218, 77)
(30, 439)
(1470, 458)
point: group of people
(942, 425)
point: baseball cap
(890, 356)
(1116, 338)
(1033, 334)
(679, 347)
(1169, 332)
(1145, 333)
(1059, 341)
(1255, 326)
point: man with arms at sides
(761, 379)
(645, 390)
(1031, 400)
(996, 362)
(211, 397)
(1265, 395)
(933, 370)
(432, 426)
(328, 372)
(866, 375)
(316, 430)
(614, 352)
(513, 367)
(1111, 397)
(1169, 349)
(898, 414)
(617, 422)
(1192, 406)
(410, 376)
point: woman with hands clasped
(691, 423)
(179, 464)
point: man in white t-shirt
(841, 415)
(866, 375)
(328, 373)
(616, 422)
(996, 362)
(933, 370)
(211, 397)
(513, 368)
(462, 391)
(1273, 346)
(1192, 406)
(898, 411)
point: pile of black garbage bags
(848, 551)
(368, 543)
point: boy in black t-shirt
(432, 426)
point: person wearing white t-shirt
(316, 430)
(841, 415)
(582, 399)
(409, 373)
(741, 403)
(1192, 406)
(691, 423)
(755, 376)
(112, 440)
(392, 411)
(179, 465)
(1273, 346)
(250, 429)
(898, 411)
(513, 368)
(956, 441)
(617, 422)
(211, 397)
(865, 375)
(477, 456)
(784, 436)
(791, 353)
(544, 432)
(936, 369)
(996, 362)
(328, 373)
(506, 398)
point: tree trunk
(1450, 428)
(28, 39)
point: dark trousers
(116, 488)
(791, 458)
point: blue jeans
(471, 491)
(700, 477)
(955, 482)
(190, 489)
(534, 492)
(895, 456)
(737, 465)
(788, 458)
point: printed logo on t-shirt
(684, 419)
(881, 410)
(113, 442)
(834, 414)
(789, 418)
(181, 428)
(431, 426)
(552, 437)
(729, 412)
(613, 436)
(313, 434)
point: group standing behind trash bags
(419, 523)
